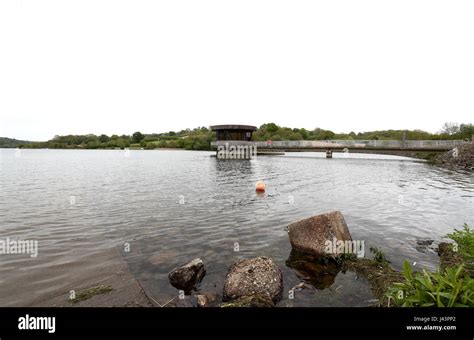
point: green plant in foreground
(465, 245)
(449, 289)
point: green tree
(137, 137)
(466, 131)
(104, 138)
(270, 127)
(304, 133)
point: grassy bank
(452, 285)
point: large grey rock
(250, 277)
(187, 276)
(310, 235)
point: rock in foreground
(312, 234)
(258, 276)
(187, 276)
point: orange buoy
(260, 186)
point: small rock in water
(299, 287)
(258, 276)
(202, 300)
(163, 257)
(187, 276)
(424, 242)
(207, 300)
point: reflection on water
(320, 273)
(172, 206)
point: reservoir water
(170, 206)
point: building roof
(233, 127)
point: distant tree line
(11, 142)
(196, 139)
(200, 138)
(271, 131)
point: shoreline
(123, 290)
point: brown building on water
(234, 141)
(233, 132)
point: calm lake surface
(173, 206)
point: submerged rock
(163, 257)
(257, 300)
(251, 277)
(314, 235)
(320, 272)
(187, 276)
(425, 245)
(422, 242)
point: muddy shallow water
(172, 206)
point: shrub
(465, 245)
(448, 289)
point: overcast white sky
(76, 67)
